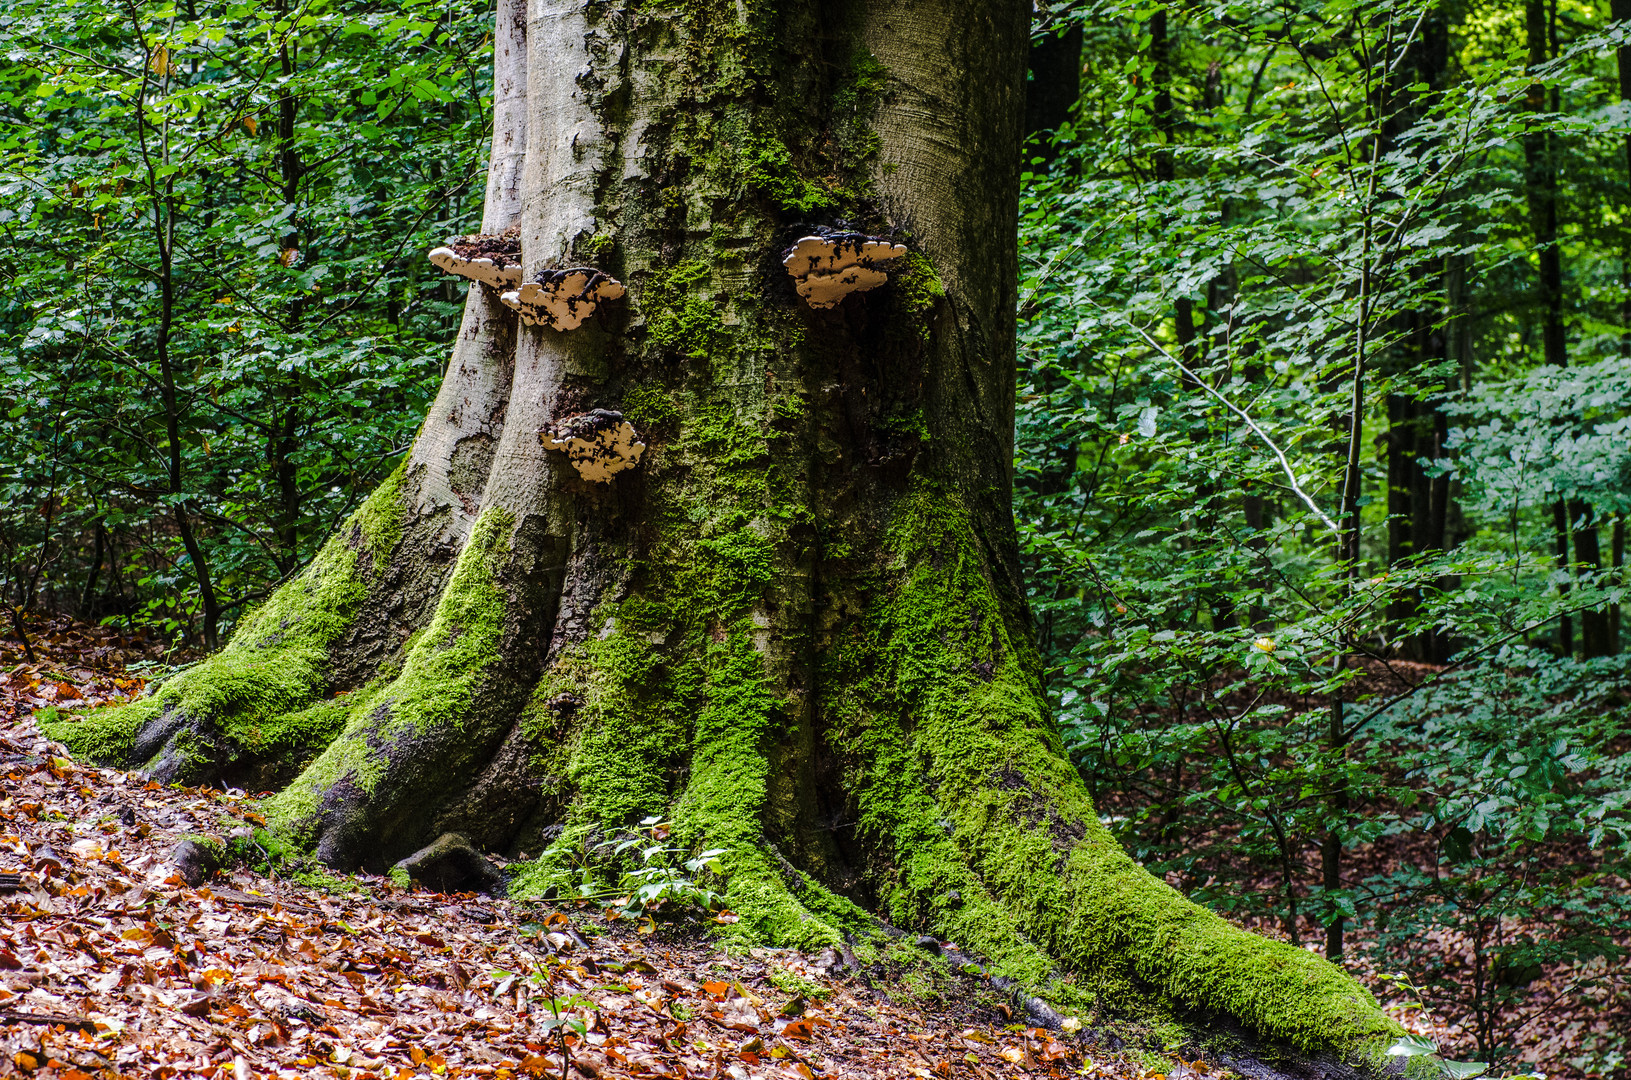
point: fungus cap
(563, 298)
(829, 268)
(599, 444)
(491, 260)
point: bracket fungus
(829, 268)
(564, 298)
(599, 443)
(491, 260)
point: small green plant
(560, 1020)
(791, 982)
(1412, 1047)
(663, 876)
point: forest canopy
(1322, 460)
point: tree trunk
(1054, 85)
(1620, 11)
(1417, 502)
(1575, 517)
(796, 627)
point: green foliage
(218, 324)
(635, 869)
(1288, 429)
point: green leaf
(1412, 1046)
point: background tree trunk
(797, 627)
(1417, 429)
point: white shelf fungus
(829, 268)
(564, 298)
(491, 260)
(599, 444)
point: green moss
(767, 169)
(214, 845)
(722, 804)
(679, 314)
(854, 103)
(961, 775)
(918, 290)
(256, 694)
(650, 407)
(633, 736)
(260, 851)
(400, 878)
(788, 410)
(325, 882)
(908, 422)
(837, 176)
(791, 982)
(380, 518)
(434, 690)
(594, 248)
(675, 712)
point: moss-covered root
(410, 744)
(995, 841)
(726, 803)
(253, 713)
(640, 711)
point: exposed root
(254, 713)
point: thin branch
(1285, 465)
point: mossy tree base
(796, 630)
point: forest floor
(111, 964)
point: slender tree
(795, 626)
(1417, 429)
(1571, 518)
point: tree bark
(796, 628)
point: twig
(1285, 465)
(22, 635)
(12, 1016)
